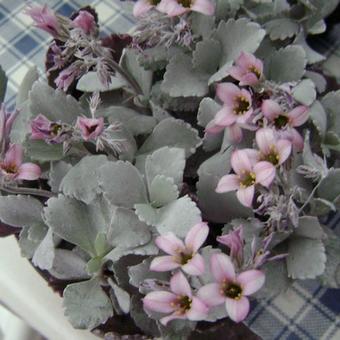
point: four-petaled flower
(45, 19)
(272, 149)
(141, 7)
(178, 7)
(13, 168)
(247, 70)
(182, 255)
(248, 172)
(235, 242)
(236, 110)
(230, 288)
(285, 122)
(85, 21)
(179, 301)
(90, 128)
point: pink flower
(66, 77)
(234, 241)
(178, 7)
(13, 168)
(85, 21)
(6, 122)
(236, 110)
(51, 132)
(182, 255)
(141, 7)
(180, 301)
(230, 288)
(275, 151)
(285, 122)
(90, 128)
(248, 69)
(45, 19)
(248, 173)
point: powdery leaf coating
(162, 191)
(331, 103)
(19, 211)
(194, 83)
(53, 104)
(280, 68)
(122, 297)
(3, 84)
(310, 227)
(304, 92)
(238, 36)
(30, 78)
(306, 259)
(44, 255)
(168, 162)
(86, 304)
(318, 116)
(40, 151)
(172, 133)
(90, 82)
(206, 56)
(329, 188)
(81, 181)
(282, 28)
(122, 184)
(58, 170)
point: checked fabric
(305, 311)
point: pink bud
(85, 21)
(90, 128)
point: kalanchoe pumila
(179, 302)
(12, 167)
(182, 255)
(286, 122)
(230, 288)
(248, 173)
(248, 70)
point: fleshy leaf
(122, 184)
(67, 265)
(282, 28)
(280, 68)
(44, 254)
(168, 162)
(122, 297)
(30, 78)
(172, 133)
(27, 246)
(331, 103)
(305, 92)
(40, 151)
(3, 84)
(202, 25)
(81, 181)
(207, 111)
(193, 83)
(76, 222)
(90, 82)
(238, 36)
(86, 304)
(306, 258)
(129, 62)
(162, 191)
(329, 188)
(309, 227)
(19, 211)
(58, 170)
(54, 104)
(206, 56)
(137, 123)
(319, 118)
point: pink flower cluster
(179, 301)
(276, 135)
(174, 7)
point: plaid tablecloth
(306, 311)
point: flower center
(241, 105)
(11, 169)
(281, 121)
(185, 258)
(154, 2)
(183, 304)
(185, 3)
(92, 128)
(55, 129)
(231, 290)
(255, 70)
(248, 180)
(272, 157)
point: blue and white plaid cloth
(306, 311)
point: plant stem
(310, 196)
(27, 191)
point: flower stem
(26, 191)
(310, 196)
